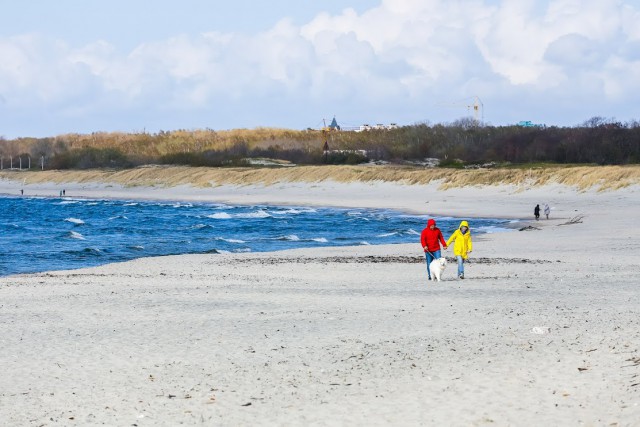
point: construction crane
(473, 104)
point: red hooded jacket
(432, 238)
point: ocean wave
(289, 238)
(75, 235)
(76, 221)
(365, 243)
(356, 218)
(221, 215)
(320, 240)
(201, 227)
(136, 247)
(257, 214)
(231, 240)
(387, 234)
(248, 215)
(293, 211)
(83, 253)
(117, 217)
(412, 232)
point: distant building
(530, 124)
(333, 126)
(378, 126)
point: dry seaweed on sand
(575, 220)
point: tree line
(458, 144)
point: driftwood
(528, 228)
(575, 220)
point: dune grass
(582, 178)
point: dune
(581, 177)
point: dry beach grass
(544, 330)
(580, 177)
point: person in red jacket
(431, 238)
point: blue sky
(83, 66)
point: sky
(82, 66)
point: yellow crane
(472, 104)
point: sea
(40, 234)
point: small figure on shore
(22, 192)
(64, 192)
(536, 212)
(430, 238)
(547, 210)
(60, 193)
(462, 245)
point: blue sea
(44, 234)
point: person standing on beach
(547, 210)
(430, 238)
(536, 212)
(462, 245)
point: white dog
(437, 267)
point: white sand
(545, 330)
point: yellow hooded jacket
(462, 242)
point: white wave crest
(290, 237)
(74, 221)
(200, 226)
(117, 217)
(232, 240)
(221, 215)
(387, 234)
(293, 211)
(75, 235)
(258, 214)
(320, 240)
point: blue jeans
(460, 265)
(430, 256)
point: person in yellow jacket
(462, 245)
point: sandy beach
(544, 329)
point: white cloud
(402, 56)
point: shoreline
(119, 254)
(544, 329)
(434, 198)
